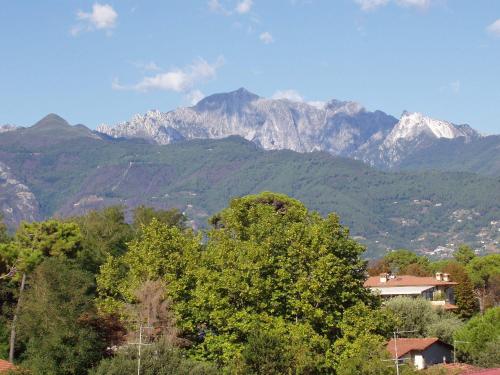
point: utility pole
(396, 333)
(139, 347)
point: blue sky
(94, 62)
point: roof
(6, 365)
(405, 346)
(453, 369)
(399, 290)
(488, 371)
(405, 280)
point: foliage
(57, 342)
(415, 314)
(464, 292)
(159, 252)
(406, 262)
(484, 273)
(266, 258)
(281, 348)
(158, 359)
(367, 355)
(144, 215)
(444, 327)
(481, 339)
(35, 241)
(464, 254)
(187, 174)
(378, 266)
(104, 233)
(4, 234)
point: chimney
(446, 277)
(439, 276)
(383, 277)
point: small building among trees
(421, 352)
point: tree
(367, 355)
(361, 349)
(444, 327)
(464, 254)
(144, 215)
(32, 243)
(268, 256)
(480, 339)
(51, 327)
(464, 291)
(160, 252)
(415, 314)
(104, 233)
(376, 267)
(4, 233)
(400, 260)
(484, 273)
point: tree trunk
(12, 342)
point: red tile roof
(488, 371)
(454, 368)
(6, 365)
(407, 345)
(405, 280)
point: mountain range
(55, 169)
(338, 127)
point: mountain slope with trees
(71, 170)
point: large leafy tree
(268, 256)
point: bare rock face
(17, 202)
(338, 127)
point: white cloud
(216, 7)
(244, 6)
(179, 80)
(422, 4)
(494, 28)
(102, 17)
(368, 5)
(266, 37)
(194, 96)
(292, 95)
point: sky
(102, 62)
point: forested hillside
(70, 170)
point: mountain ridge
(342, 128)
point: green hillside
(71, 170)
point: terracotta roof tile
(6, 365)
(405, 280)
(405, 345)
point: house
(422, 352)
(438, 290)
(6, 366)
(461, 369)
